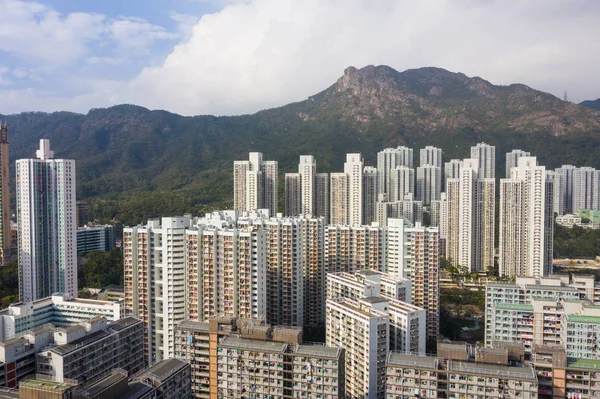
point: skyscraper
(471, 202)
(413, 253)
(452, 169)
(512, 159)
(353, 168)
(526, 221)
(5, 240)
(255, 184)
(486, 155)
(558, 186)
(46, 218)
(307, 170)
(293, 196)
(339, 199)
(568, 186)
(322, 196)
(369, 194)
(389, 159)
(431, 156)
(429, 183)
(586, 189)
(402, 182)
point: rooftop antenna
(565, 98)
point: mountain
(594, 104)
(134, 163)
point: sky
(228, 57)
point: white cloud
(36, 33)
(131, 32)
(270, 52)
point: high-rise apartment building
(369, 202)
(429, 183)
(354, 170)
(471, 204)
(413, 253)
(486, 155)
(431, 156)
(401, 183)
(586, 189)
(452, 169)
(388, 160)
(362, 331)
(322, 196)
(526, 221)
(155, 280)
(307, 169)
(405, 208)
(339, 199)
(5, 236)
(293, 194)
(558, 197)
(512, 159)
(368, 283)
(568, 186)
(46, 225)
(255, 184)
(237, 358)
(351, 248)
(550, 311)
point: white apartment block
(557, 191)
(408, 325)
(401, 182)
(537, 312)
(567, 187)
(586, 189)
(526, 221)
(307, 169)
(568, 220)
(46, 225)
(470, 221)
(429, 183)
(369, 194)
(60, 310)
(354, 169)
(452, 169)
(255, 184)
(402, 209)
(486, 155)
(512, 159)
(351, 248)
(413, 253)
(431, 156)
(368, 283)
(339, 199)
(293, 194)
(322, 196)
(388, 160)
(362, 331)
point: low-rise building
(170, 379)
(95, 238)
(84, 351)
(61, 310)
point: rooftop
(111, 379)
(551, 287)
(252, 344)
(492, 370)
(193, 326)
(514, 306)
(164, 369)
(79, 343)
(137, 390)
(593, 364)
(574, 318)
(374, 299)
(48, 386)
(412, 361)
(319, 351)
(122, 324)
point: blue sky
(240, 56)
